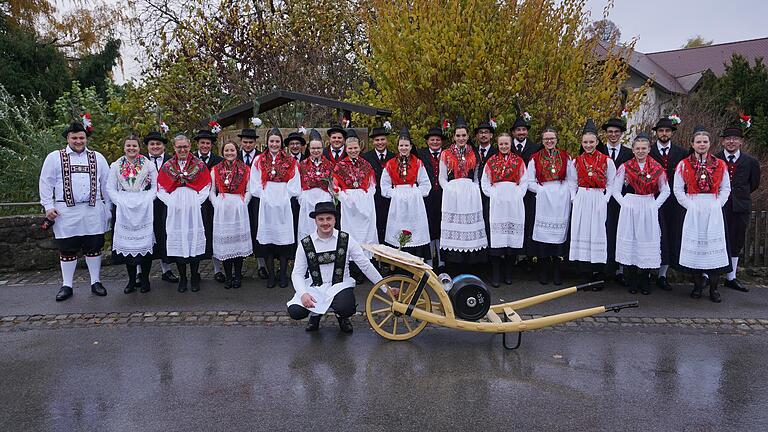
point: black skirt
(505, 251)
(540, 249)
(476, 257)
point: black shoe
(345, 325)
(98, 289)
(263, 273)
(182, 285)
(169, 277)
(313, 324)
(194, 284)
(714, 295)
(271, 283)
(735, 284)
(131, 287)
(219, 277)
(64, 293)
(632, 290)
(236, 283)
(696, 293)
(662, 283)
(145, 286)
(228, 284)
(620, 279)
(645, 291)
(283, 283)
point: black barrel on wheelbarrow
(470, 297)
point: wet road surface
(205, 378)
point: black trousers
(89, 244)
(343, 304)
(735, 228)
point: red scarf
(644, 181)
(703, 177)
(403, 171)
(505, 169)
(315, 176)
(550, 165)
(459, 162)
(281, 171)
(232, 177)
(353, 175)
(591, 170)
(195, 174)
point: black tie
(482, 153)
(336, 153)
(297, 157)
(732, 158)
(435, 154)
(520, 148)
(381, 157)
(664, 151)
(204, 158)
(156, 165)
(613, 153)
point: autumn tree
(696, 41)
(471, 57)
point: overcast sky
(660, 25)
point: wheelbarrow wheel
(383, 320)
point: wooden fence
(755, 253)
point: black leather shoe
(714, 295)
(735, 284)
(620, 279)
(219, 277)
(236, 283)
(345, 325)
(182, 285)
(228, 284)
(263, 273)
(131, 287)
(64, 293)
(194, 283)
(632, 289)
(313, 324)
(662, 283)
(645, 291)
(271, 283)
(98, 289)
(144, 286)
(696, 293)
(169, 277)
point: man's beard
(664, 139)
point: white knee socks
(734, 264)
(94, 268)
(68, 272)
(216, 266)
(663, 270)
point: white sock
(732, 274)
(261, 262)
(165, 267)
(68, 272)
(663, 270)
(94, 267)
(216, 266)
(620, 269)
(138, 270)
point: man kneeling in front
(326, 254)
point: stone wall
(24, 246)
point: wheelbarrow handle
(619, 306)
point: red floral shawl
(195, 174)
(398, 165)
(505, 169)
(346, 173)
(232, 177)
(703, 177)
(591, 170)
(644, 181)
(458, 165)
(281, 171)
(546, 161)
(315, 176)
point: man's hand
(307, 300)
(51, 214)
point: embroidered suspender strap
(341, 257)
(66, 175)
(312, 262)
(92, 174)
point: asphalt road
(207, 378)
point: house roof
(282, 97)
(688, 61)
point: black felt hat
(324, 207)
(485, 124)
(74, 127)
(155, 135)
(520, 121)
(205, 134)
(336, 129)
(296, 136)
(378, 131)
(665, 122)
(314, 135)
(614, 122)
(248, 133)
(275, 131)
(404, 134)
(589, 127)
(351, 133)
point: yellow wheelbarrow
(399, 307)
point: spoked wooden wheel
(381, 317)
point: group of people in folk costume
(611, 208)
